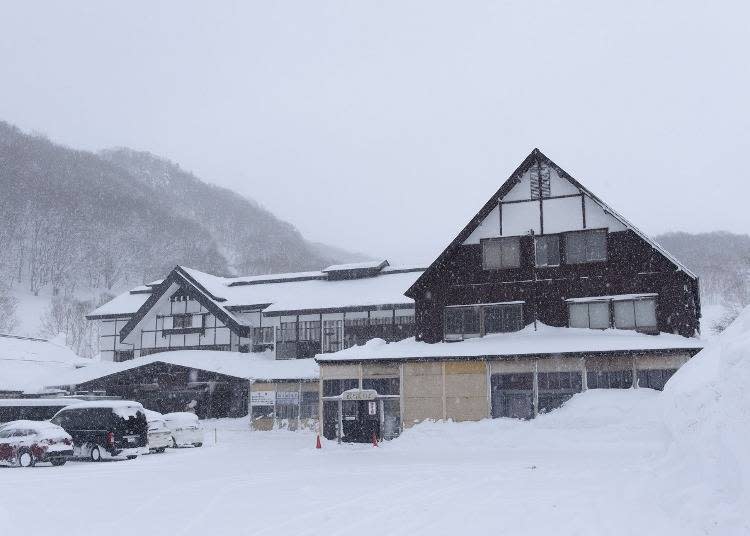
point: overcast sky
(382, 127)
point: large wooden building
(547, 291)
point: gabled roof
(185, 278)
(260, 367)
(295, 293)
(536, 156)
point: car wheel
(58, 461)
(25, 458)
(174, 443)
(96, 454)
(161, 450)
(197, 444)
(131, 457)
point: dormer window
(501, 253)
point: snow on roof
(367, 265)
(240, 365)
(115, 404)
(38, 402)
(36, 426)
(614, 297)
(28, 364)
(546, 340)
(311, 294)
(295, 291)
(124, 304)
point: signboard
(359, 394)
(287, 398)
(372, 408)
(262, 398)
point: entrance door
(361, 420)
(512, 395)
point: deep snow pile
(707, 409)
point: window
(594, 315)
(503, 318)
(384, 386)
(586, 246)
(309, 330)
(288, 331)
(309, 406)
(462, 322)
(556, 388)
(654, 379)
(635, 314)
(122, 355)
(182, 321)
(547, 250)
(501, 253)
(612, 379)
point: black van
(105, 429)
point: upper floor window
(586, 246)
(182, 321)
(466, 321)
(622, 312)
(547, 250)
(501, 253)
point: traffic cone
(317, 443)
(374, 440)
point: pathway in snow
(589, 468)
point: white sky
(383, 126)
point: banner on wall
(262, 398)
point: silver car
(159, 435)
(185, 428)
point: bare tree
(8, 319)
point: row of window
(577, 247)
(463, 322)
(636, 313)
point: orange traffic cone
(317, 443)
(374, 440)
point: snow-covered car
(186, 429)
(105, 429)
(159, 435)
(26, 443)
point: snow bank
(706, 406)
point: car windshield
(6, 432)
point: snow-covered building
(545, 292)
(294, 315)
(224, 344)
(28, 364)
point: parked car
(105, 429)
(186, 429)
(26, 443)
(159, 435)
(32, 409)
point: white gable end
(558, 213)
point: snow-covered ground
(600, 465)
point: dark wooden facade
(634, 265)
(166, 387)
